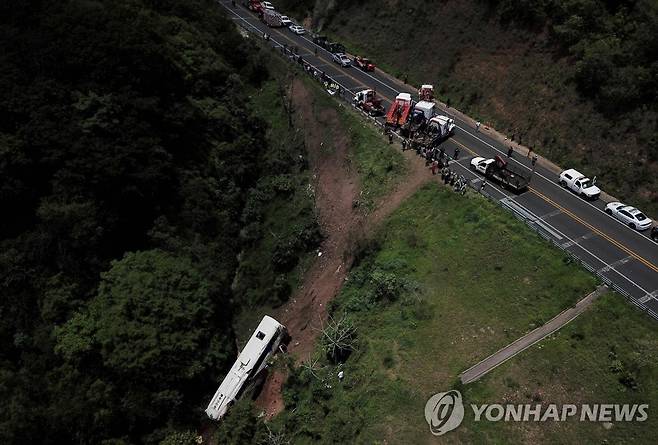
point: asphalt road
(629, 259)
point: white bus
(265, 340)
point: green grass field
(446, 282)
(608, 355)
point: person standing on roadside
(477, 126)
(510, 152)
(456, 153)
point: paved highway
(629, 259)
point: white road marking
(551, 214)
(467, 132)
(586, 236)
(488, 184)
(556, 185)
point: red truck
(368, 101)
(364, 63)
(255, 6)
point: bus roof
(243, 366)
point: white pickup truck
(579, 184)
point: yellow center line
(464, 147)
(616, 243)
(569, 213)
(611, 240)
(330, 61)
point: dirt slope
(336, 189)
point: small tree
(338, 338)
(275, 438)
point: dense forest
(127, 156)
(576, 79)
(613, 44)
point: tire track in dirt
(336, 185)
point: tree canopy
(126, 157)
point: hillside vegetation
(575, 79)
(133, 175)
(426, 303)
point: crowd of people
(436, 159)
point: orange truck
(398, 113)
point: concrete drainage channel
(501, 356)
(336, 89)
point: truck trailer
(272, 18)
(399, 111)
(510, 176)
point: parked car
(299, 30)
(654, 234)
(628, 215)
(267, 5)
(579, 184)
(480, 164)
(342, 59)
(285, 21)
(364, 63)
(335, 47)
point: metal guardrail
(533, 224)
(335, 89)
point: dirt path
(475, 372)
(417, 176)
(336, 189)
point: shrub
(387, 286)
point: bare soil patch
(337, 188)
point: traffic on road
(568, 206)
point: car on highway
(579, 184)
(480, 164)
(285, 20)
(654, 234)
(342, 59)
(364, 63)
(299, 30)
(267, 5)
(629, 215)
